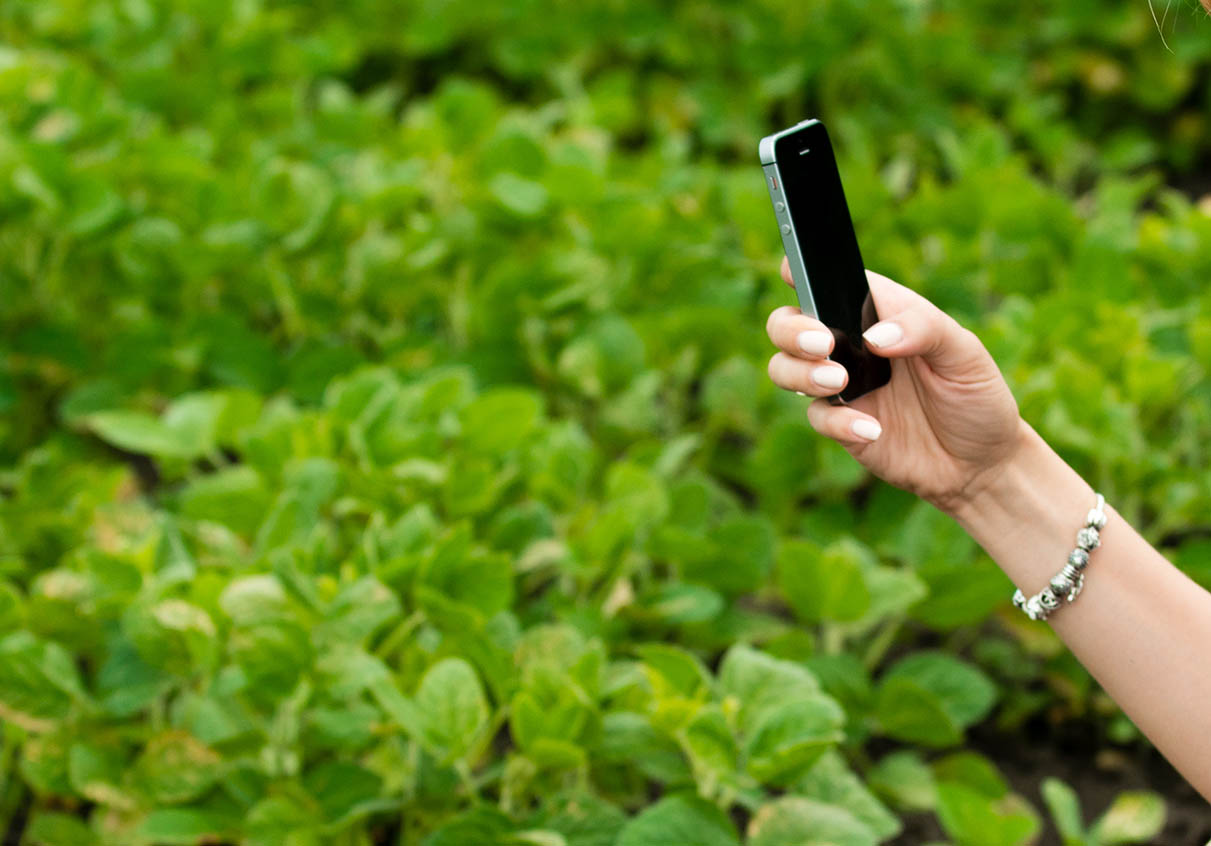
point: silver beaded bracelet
(1066, 585)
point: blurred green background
(386, 452)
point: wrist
(1031, 490)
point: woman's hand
(944, 423)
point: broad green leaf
(38, 682)
(452, 706)
(55, 829)
(796, 821)
(1133, 817)
(678, 670)
(905, 780)
(964, 692)
(185, 826)
(679, 819)
(175, 768)
(822, 584)
(759, 682)
(1065, 807)
(831, 781)
(500, 420)
(140, 432)
(582, 819)
(972, 818)
(786, 739)
(907, 711)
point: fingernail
(829, 376)
(800, 393)
(884, 334)
(815, 342)
(867, 430)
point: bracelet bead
(1088, 538)
(1066, 585)
(1061, 583)
(1048, 599)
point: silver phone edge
(790, 243)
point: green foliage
(386, 453)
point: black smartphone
(818, 235)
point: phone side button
(786, 229)
(779, 207)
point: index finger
(786, 272)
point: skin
(947, 428)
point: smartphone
(818, 235)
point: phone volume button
(786, 229)
(779, 207)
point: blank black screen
(811, 186)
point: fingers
(844, 424)
(923, 329)
(797, 334)
(814, 378)
(786, 272)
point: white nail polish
(884, 334)
(800, 393)
(867, 430)
(815, 342)
(829, 376)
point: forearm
(1140, 626)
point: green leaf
(185, 826)
(176, 768)
(831, 781)
(452, 706)
(1065, 808)
(823, 584)
(523, 197)
(38, 682)
(139, 432)
(972, 818)
(759, 682)
(964, 692)
(500, 420)
(905, 780)
(54, 829)
(1133, 817)
(582, 819)
(684, 820)
(796, 821)
(907, 711)
(786, 739)
(679, 670)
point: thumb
(924, 329)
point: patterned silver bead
(1078, 558)
(1019, 599)
(1076, 588)
(1034, 608)
(1088, 538)
(1095, 518)
(1048, 599)
(1061, 582)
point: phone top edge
(766, 148)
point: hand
(944, 423)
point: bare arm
(1140, 626)
(947, 428)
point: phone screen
(811, 185)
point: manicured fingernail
(867, 430)
(884, 334)
(800, 393)
(829, 376)
(815, 342)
